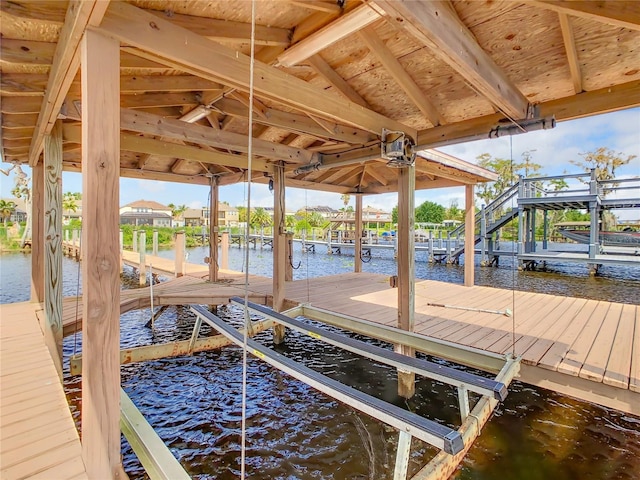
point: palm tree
(6, 210)
(345, 197)
(260, 218)
(70, 202)
(177, 210)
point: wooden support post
(469, 236)
(179, 261)
(134, 241)
(37, 233)
(100, 59)
(224, 253)
(213, 230)
(406, 274)
(357, 263)
(279, 249)
(155, 243)
(74, 241)
(142, 250)
(121, 249)
(53, 244)
(288, 244)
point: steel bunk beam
(442, 373)
(440, 436)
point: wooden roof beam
(436, 24)
(572, 52)
(344, 26)
(620, 14)
(66, 61)
(402, 78)
(151, 146)
(213, 61)
(608, 99)
(176, 129)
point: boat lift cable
(513, 267)
(247, 319)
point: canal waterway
(295, 432)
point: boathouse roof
(330, 76)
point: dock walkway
(38, 436)
(588, 349)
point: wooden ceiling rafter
(436, 25)
(297, 123)
(393, 67)
(343, 26)
(624, 14)
(572, 53)
(340, 85)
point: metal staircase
(489, 220)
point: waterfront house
(145, 212)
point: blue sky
(619, 131)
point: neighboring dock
(588, 349)
(39, 438)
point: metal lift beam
(440, 436)
(441, 373)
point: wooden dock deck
(588, 349)
(38, 436)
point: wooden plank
(100, 243)
(436, 25)
(596, 361)
(576, 356)
(624, 14)
(215, 62)
(619, 365)
(66, 61)
(393, 67)
(41, 463)
(53, 244)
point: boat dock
(587, 349)
(39, 438)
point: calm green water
(295, 432)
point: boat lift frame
(453, 444)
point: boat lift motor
(397, 148)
